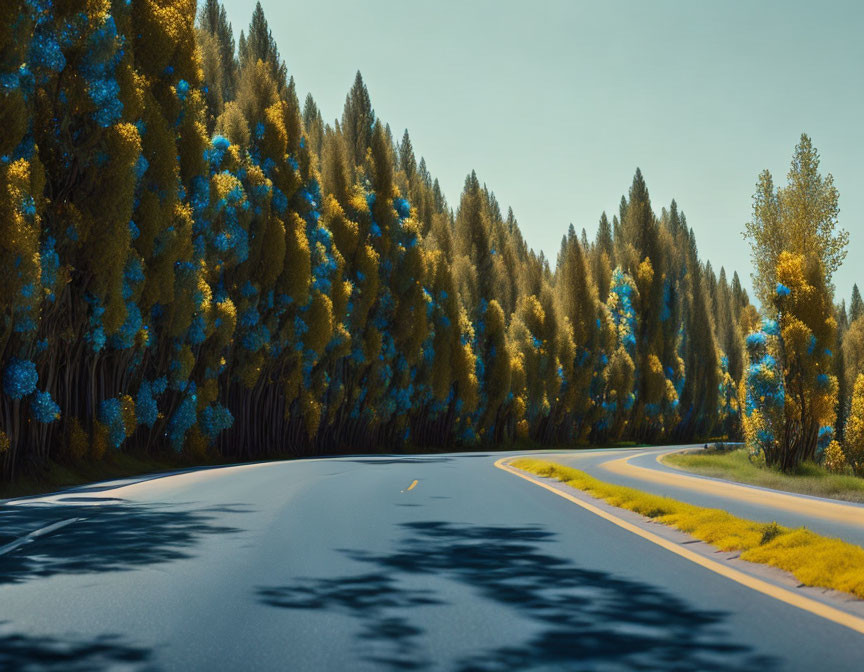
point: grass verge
(811, 558)
(735, 465)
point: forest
(192, 260)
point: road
(640, 468)
(348, 564)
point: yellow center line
(412, 486)
(784, 595)
(843, 513)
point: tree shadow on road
(580, 618)
(25, 653)
(375, 598)
(108, 537)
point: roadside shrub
(854, 448)
(834, 459)
(100, 441)
(770, 532)
(79, 442)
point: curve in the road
(778, 593)
(639, 468)
(846, 513)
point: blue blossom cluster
(133, 278)
(756, 340)
(182, 89)
(323, 262)
(765, 387)
(765, 384)
(44, 408)
(231, 239)
(183, 419)
(213, 155)
(668, 300)
(825, 437)
(214, 420)
(111, 416)
(146, 408)
(50, 265)
(623, 312)
(98, 68)
(45, 51)
(20, 378)
(95, 335)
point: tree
(313, 123)
(739, 295)
(642, 249)
(586, 322)
(800, 218)
(856, 306)
(473, 236)
(843, 388)
(853, 352)
(258, 45)
(853, 448)
(796, 248)
(698, 397)
(407, 161)
(620, 393)
(807, 334)
(604, 257)
(213, 21)
(358, 119)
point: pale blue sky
(556, 103)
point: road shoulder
(832, 605)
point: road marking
(789, 597)
(35, 534)
(819, 508)
(411, 487)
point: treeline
(190, 259)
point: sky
(555, 104)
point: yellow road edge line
(411, 487)
(784, 595)
(839, 512)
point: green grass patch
(735, 465)
(811, 558)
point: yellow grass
(811, 558)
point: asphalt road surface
(640, 468)
(438, 562)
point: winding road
(641, 468)
(438, 562)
